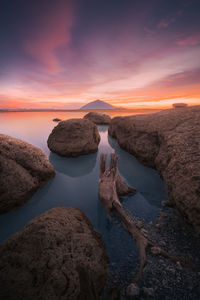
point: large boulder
(169, 141)
(98, 118)
(74, 137)
(23, 169)
(57, 255)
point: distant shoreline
(83, 110)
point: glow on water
(76, 183)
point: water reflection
(74, 167)
(146, 180)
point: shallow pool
(76, 185)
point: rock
(57, 120)
(155, 250)
(114, 294)
(23, 169)
(133, 290)
(74, 137)
(179, 267)
(57, 255)
(168, 141)
(98, 118)
(198, 290)
(149, 292)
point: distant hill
(97, 104)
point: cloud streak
(49, 33)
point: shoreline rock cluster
(168, 141)
(58, 255)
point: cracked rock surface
(168, 141)
(57, 255)
(23, 169)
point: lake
(76, 185)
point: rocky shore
(58, 255)
(162, 278)
(168, 141)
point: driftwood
(111, 185)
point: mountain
(97, 104)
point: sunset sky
(129, 53)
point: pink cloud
(192, 40)
(51, 32)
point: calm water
(76, 184)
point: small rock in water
(133, 290)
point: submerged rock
(74, 137)
(168, 141)
(57, 255)
(23, 169)
(98, 118)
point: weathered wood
(111, 186)
(108, 195)
(107, 186)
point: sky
(130, 53)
